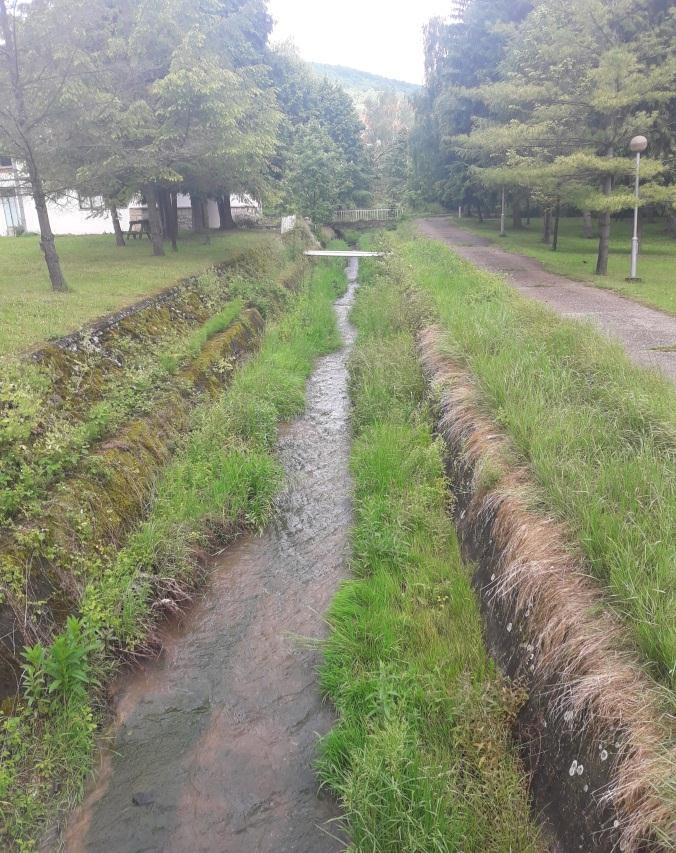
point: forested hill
(359, 84)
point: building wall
(66, 217)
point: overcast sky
(381, 36)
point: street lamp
(637, 144)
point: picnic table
(138, 228)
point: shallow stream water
(213, 744)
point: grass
(101, 278)
(576, 256)
(420, 756)
(223, 479)
(597, 433)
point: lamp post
(637, 144)
(502, 215)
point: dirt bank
(212, 746)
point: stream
(212, 745)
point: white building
(73, 214)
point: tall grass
(420, 756)
(598, 433)
(223, 479)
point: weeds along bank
(560, 455)
(215, 475)
(90, 420)
(420, 757)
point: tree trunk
(117, 228)
(547, 226)
(479, 212)
(154, 220)
(227, 223)
(587, 225)
(47, 245)
(162, 204)
(197, 211)
(604, 229)
(174, 220)
(604, 244)
(557, 214)
(670, 228)
(528, 209)
(206, 232)
(517, 222)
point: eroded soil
(213, 744)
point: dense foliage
(115, 99)
(541, 98)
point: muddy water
(213, 744)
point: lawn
(101, 278)
(576, 256)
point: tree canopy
(541, 97)
(128, 98)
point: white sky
(381, 36)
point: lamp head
(638, 143)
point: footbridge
(373, 214)
(346, 253)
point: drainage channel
(213, 744)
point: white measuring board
(321, 253)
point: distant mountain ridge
(361, 83)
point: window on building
(9, 204)
(87, 202)
(5, 162)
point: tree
(39, 58)
(174, 102)
(308, 104)
(315, 173)
(591, 72)
(542, 98)
(388, 117)
(461, 54)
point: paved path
(641, 330)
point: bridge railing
(374, 214)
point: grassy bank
(576, 256)
(101, 278)
(597, 433)
(222, 480)
(420, 756)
